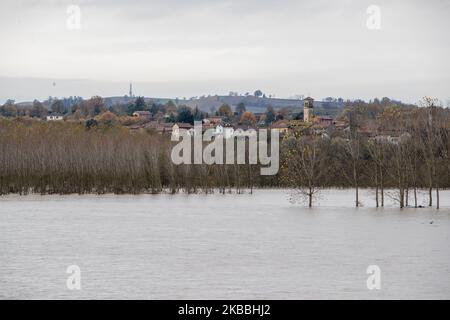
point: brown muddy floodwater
(217, 246)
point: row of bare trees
(68, 157)
(413, 155)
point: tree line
(76, 108)
(408, 150)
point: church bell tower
(308, 109)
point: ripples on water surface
(217, 246)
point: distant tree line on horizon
(76, 109)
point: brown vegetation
(406, 149)
(383, 147)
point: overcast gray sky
(184, 48)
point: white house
(393, 139)
(54, 117)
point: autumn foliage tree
(225, 111)
(248, 118)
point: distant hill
(259, 105)
(252, 103)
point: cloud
(285, 46)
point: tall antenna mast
(131, 90)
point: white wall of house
(54, 118)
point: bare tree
(302, 165)
(377, 151)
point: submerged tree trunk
(376, 185)
(401, 188)
(436, 186)
(402, 198)
(310, 194)
(415, 197)
(430, 194)
(437, 196)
